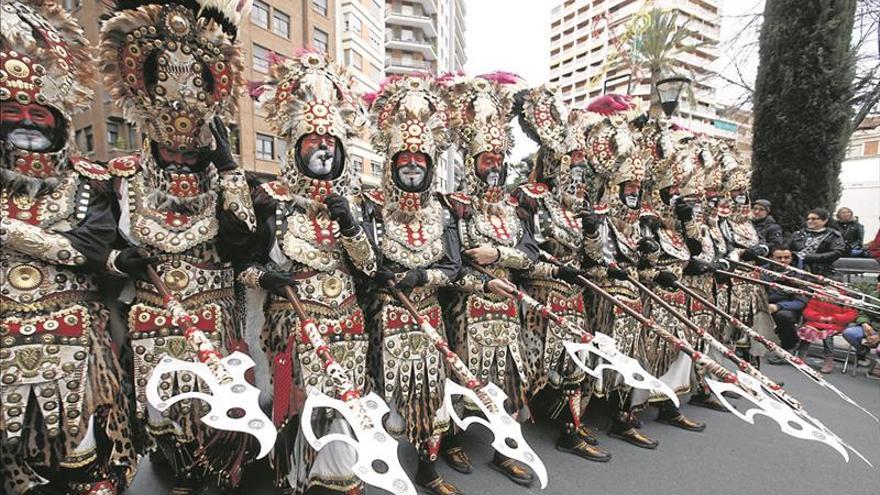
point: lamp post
(669, 92)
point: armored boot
(455, 455)
(430, 481)
(671, 415)
(624, 428)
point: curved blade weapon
(234, 401)
(822, 280)
(508, 437)
(377, 463)
(604, 346)
(788, 412)
(795, 361)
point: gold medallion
(332, 287)
(25, 277)
(176, 279)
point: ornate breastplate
(743, 233)
(166, 230)
(499, 227)
(311, 240)
(707, 254)
(673, 244)
(414, 243)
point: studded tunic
(60, 390)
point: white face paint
(321, 162)
(412, 175)
(631, 201)
(740, 199)
(29, 139)
(493, 177)
(698, 208)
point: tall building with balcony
(588, 51)
(427, 36)
(274, 26)
(360, 25)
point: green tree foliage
(802, 107)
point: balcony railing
(409, 64)
(407, 39)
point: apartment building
(427, 36)
(588, 55)
(274, 26)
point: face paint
(317, 153)
(740, 199)
(28, 127)
(177, 161)
(490, 168)
(631, 194)
(410, 171)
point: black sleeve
(450, 263)
(833, 248)
(95, 235)
(254, 247)
(773, 236)
(527, 243)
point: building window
(353, 23)
(320, 40)
(113, 127)
(235, 139)
(281, 23)
(261, 58)
(871, 148)
(85, 139)
(357, 163)
(320, 6)
(265, 148)
(354, 59)
(260, 14)
(376, 169)
(71, 5)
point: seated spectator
(785, 307)
(822, 321)
(852, 231)
(817, 246)
(769, 231)
(865, 333)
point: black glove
(751, 254)
(666, 279)
(590, 224)
(643, 264)
(221, 155)
(382, 276)
(617, 273)
(651, 222)
(275, 282)
(647, 245)
(698, 267)
(568, 274)
(416, 277)
(684, 212)
(133, 261)
(722, 264)
(722, 278)
(340, 212)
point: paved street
(730, 457)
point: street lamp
(669, 91)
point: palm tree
(657, 41)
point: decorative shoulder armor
(534, 190)
(124, 166)
(459, 204)
(88, 169)
(375, 196)
(277, 190)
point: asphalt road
(730, 457)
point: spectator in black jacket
(817, 246)
(769, 231)
(785, 307)
(852, 231)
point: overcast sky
(514, 35)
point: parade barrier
(377, 462)
(488, 397)
(234, 402)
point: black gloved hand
(651, 222)
(382, 276)
(275, 282)
(647, 245)
(590, 224)
(221, 155)
(568, 274)
(751, 254)
(698, 267)
(722, 278)
(684, 212)
(722, 264)
(340, 212)
(617, 273)
(416, 277)
(133, 261)
(666, 279)
(643, 264)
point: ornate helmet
(173, 66)
(45, 59)
(481, 111)
(543, 119)
(408, 114)
(609, 140)
(309, 95)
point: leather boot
(671, 415)
(703, 399)
(514, 470)
(622, 428)
(573, 443)
(430, 481)
(455, 456)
